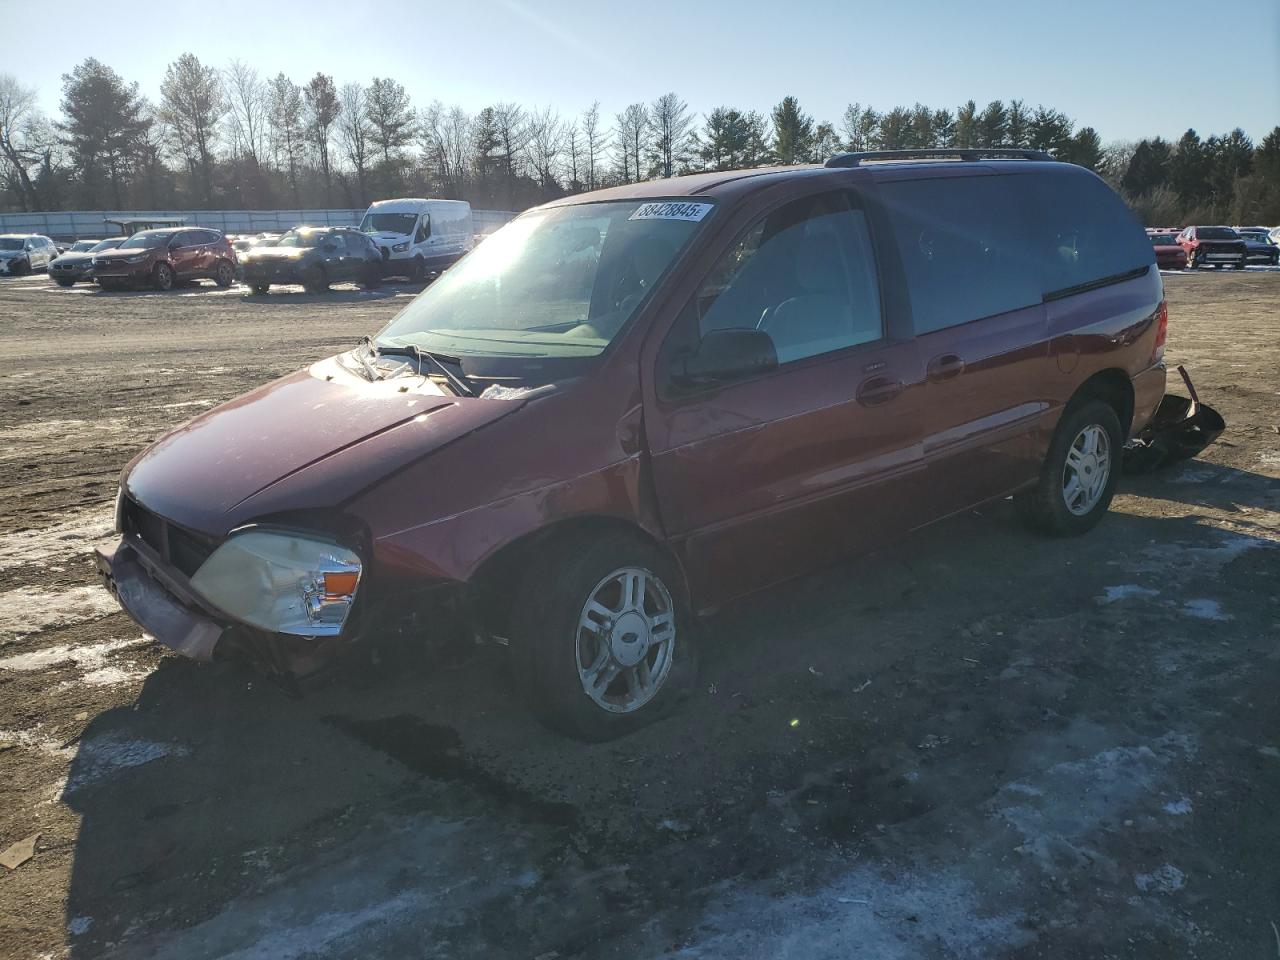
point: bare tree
(594, 140)
(670, 125)
(284, 113)
(19, 146)
(511, 130)
(446, 137)
(247, 104)
(544, 144)
(353, 135)
(323, 107)
(192, 104)
(632, 136)
(573, 148)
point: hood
(118, 254)
(311, 440)
(276, 253)
(82, 257)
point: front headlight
(282, 582)
(401, 247)
(137, 258)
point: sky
(1129, 68)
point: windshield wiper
(424, 357)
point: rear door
(973, 277)
(762, 479)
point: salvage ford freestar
(627, 408)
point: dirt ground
(979, 744)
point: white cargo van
(419, 237)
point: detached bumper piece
(153, 607)
(1180, 429)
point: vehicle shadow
(1201, 483)
(218, 811)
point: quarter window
(805, 274)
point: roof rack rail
(935, 153)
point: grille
(185, 551)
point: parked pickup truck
(1213, 246)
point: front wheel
(64, 282)
(224, 274)
(601, 636)
(1080, 472)
(260, 288)
(162, 277)
(419, 271)
(316, 281)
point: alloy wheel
(625, 639)
(1087, 469)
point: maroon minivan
(627, 408)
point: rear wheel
(224, 274)
(372, 276)
(1080, 472)
(600, 636)
(162, 277)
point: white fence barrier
(88, 224)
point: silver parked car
(22, 253)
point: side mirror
(729, 354)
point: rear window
(1164, 240)
(1216, 233)
(976, 246)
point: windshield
(1216, 233)
(553, 285)
(1164, 240)
(105, 245)
(145, 240)
(1253, 235)
(388, 223)
(9, 243)
(299, 238)
(82, 246)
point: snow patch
(88, 657)
(112, 752)
(1124, 591)
(1203, 609)
(1164, 879)
(72, 537)
(28, 610)
(1178, 808)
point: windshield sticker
(668, 210)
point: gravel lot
(979, 744)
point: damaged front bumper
(171, 613)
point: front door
(765, 478)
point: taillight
(1162, 332)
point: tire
(20, 268)
(162, 277)
(64, 283)
(552, 652)
(260, 288)
(372, 278)
(1045, 507)
(419, 272)
(224, 274)
(1217, 266)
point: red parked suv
(1213, 246)
(161, 258)
(627, 408)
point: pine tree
(104, 126)
(792, 132)
(390, 117)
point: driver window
(424, 229)
(805, 274)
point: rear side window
(1085, 232)
(966, 248)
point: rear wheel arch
(1112, 385)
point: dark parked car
(314, 257)
(77, 263)
(1259, 248)
(1212, 247)
(161, 258)
(1169, 255)
(627, 408)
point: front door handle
(877, 390)
(946, 367)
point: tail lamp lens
(1162, 330)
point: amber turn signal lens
(340, 584)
